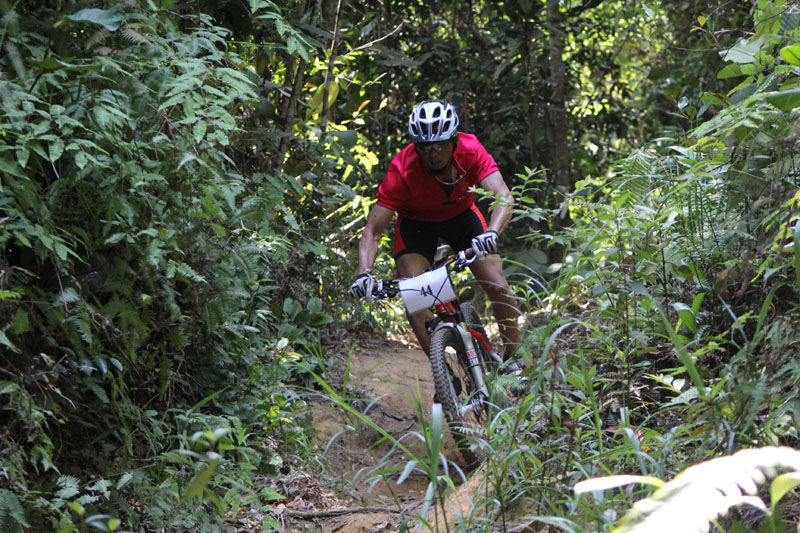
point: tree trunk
(286, 134)
(557, 117)
(557, 110)
(329, 72)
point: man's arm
(377, 222)
(501, 212)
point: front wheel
(462, 403)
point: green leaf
(781, 485)
(111, 19)
(314, 305)
(409, 468)
(61, 250)
(201, 481)
(10, 167)
(77, 508)
(686, 316)
(319, 319)
(98, 391)
(437, 432)
(797, 250)
(686, 357)
(732, 71)
(22, 156)
(68, 295)
(56, 149)
(4, 341)
(21, 322)
(637, 287)
(5, 295)
(348, 138)
(613, 482)
(115, 238)
(270, 494)
(697, 302)
(791, 54)
(199, 130)
(126, 478)
(81, 159)
(743, 51)
(52, 63)
(785, 100)
(11, 506)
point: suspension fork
(467, 340)
(474, 361)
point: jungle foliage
(181, 190)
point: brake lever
(462, 261)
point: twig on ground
(337, 512)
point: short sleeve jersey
(414, 193)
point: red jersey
(413, 193)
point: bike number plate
(424, 291)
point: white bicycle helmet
(432, 121)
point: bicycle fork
(474, 365)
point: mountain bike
(461, 355)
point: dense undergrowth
(161, 278)
(150, 310)
(672, 322)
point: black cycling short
(414, 236)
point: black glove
(361, 288)
(485, 243)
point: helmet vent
(432, 121)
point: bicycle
(461, 356)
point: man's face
(436, 156)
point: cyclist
(427, 185)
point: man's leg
(408, 266)
(489, 273)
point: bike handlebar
(389, 288)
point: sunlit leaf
(781, 485)
(613, 482)
(703, 492)
(686, 315)
(742, 52)
(791, 54)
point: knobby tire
(454, 387)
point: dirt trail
(388, 376)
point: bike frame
(449, 315)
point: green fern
(636, 176)
(702, 493)
(12, 516)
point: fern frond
(703, 492)
(96, 38)
(186, 271)
(130, 34)
(12, 515)
(636, 175)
